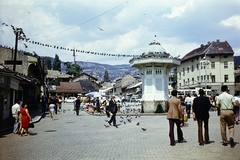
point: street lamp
(206, 63)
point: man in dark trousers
(201, 106)
(113, 111)
(77, 104)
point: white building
(209, 66)
(154, 64)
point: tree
(74, 69)
(47, 62)
(106, 76)
(57, 63)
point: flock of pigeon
(123, 119)
(127, 118)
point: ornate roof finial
(155, 36)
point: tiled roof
(69, 87)
(57, 74)
(211, 48)
(87, 86)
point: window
(192, 68)
(225, 78)
(197, 66)
(201, 78)
(197, 78)
(187, 69)
(212, 65)
(225, 64)
(179, 75)
(192, 80)
(213, 78)
(158, 71)
(201, 65)
(183, 72)
(148, 71)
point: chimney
(218, 40)
(208, 42)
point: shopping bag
(31, 125)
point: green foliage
(106, 76)
(47, 62)
(54, 82)
(74, 69)
(57, 63)
(159, 109)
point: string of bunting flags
(64, 48)
(77, 50)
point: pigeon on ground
(144, 129)
(106, 125)
(138, 123)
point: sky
(118, 27)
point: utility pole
(20, 35)
(15, 52)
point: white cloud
(233, 21)
(128, 29)
(179, 10)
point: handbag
(185, 117)
(31, 125)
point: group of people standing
(52, 104)
(228, 106)
(21, 118)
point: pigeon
(144, 129)
(100, 29)
(138, 123)
(106, 125)
(124, 122)
(121, 121)
(129, 120)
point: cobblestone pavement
(73, 137)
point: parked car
(70, 99)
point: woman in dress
(26, 118)
(52, 108)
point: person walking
(201, 107)
(188, 102)
(77, 104)
(26, 118)
(60, 103)
(113, 111)
(105, 104)
(52, 107)
(236, 108)
(174, 115)
(44, 103)
(15, 113)
(226, 102)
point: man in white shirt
(15, 113)
(188, 102)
